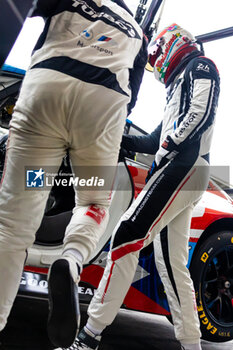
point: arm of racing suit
(137, 72)
(202, 82)
(43, 8)
(143, 144)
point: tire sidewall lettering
(211, 329)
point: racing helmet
(169, 50)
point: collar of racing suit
(180, 67)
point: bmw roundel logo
(87, 34)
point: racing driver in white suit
(176, 181)
(82, 82)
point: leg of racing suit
(21, 210)
(168, 193)
(171, 258)
(51, 115)
(97, 157)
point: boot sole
(64, 314)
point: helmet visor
(154, 51)
(157, 50)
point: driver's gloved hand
(151, 171)
(125, 153)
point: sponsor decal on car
(204, 257)
(36, 283)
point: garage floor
(26, 330)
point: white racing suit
(83, 80)
(165, 205)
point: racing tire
(212, 273)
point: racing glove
(151, 171)
(125, 153)
(167, 151)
